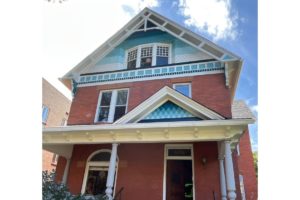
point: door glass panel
(179, 152)
(96, 182)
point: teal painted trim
(168, 110)
(155, 71)
(227, 57)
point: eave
(207, 130)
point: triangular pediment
(168, 104)
(169, 112)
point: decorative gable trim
(163, 24)
(159, 98)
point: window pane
(131, 59)
(179, 152)
(162, 60)
(183, 89)
(122, 97)
(103, 114)
(131, 64)
(96, 182)
(45, 113)
(102, 156)
(146, 62)
(119, 112)
(162, 51)
(106, 97)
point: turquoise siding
(168, 110)
(139, 38)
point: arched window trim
(97, 164)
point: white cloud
(254, 108)
(215, 17)
(75, 28)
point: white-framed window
(45, 114)
(96, 172)
(183, 88)
(112, 105)
(154, 54)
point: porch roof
(206, 130)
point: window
(45, 114)
(112, 105)
(183, 88)
(96, 172)
(148, 55)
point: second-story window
(112, 105)
(183, 88)
(148, 55)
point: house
(154, 117)
(55, 112)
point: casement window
(112, 105)
(155, 54)
(45, 114)
(183, 88)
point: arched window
(96, 171)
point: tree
(255, 159)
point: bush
(59, 191)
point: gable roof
(159, 98)
(161, 23)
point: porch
(139, 159)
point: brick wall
(209, 90)
(58, 106)
(246, 167)
(141, 169)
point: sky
(74, 28)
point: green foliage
(56, 191)
(255, 159)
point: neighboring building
(154, 117)
(55, 112)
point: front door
(179, 173)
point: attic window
(148, 55)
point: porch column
(222, 179)
(111, 172)
(66, 172)
(230, 183)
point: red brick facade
(141, 166)
(208, 90)
(141, 170)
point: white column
(230, 182)
(66, 172)
(222, 179)
(111, 172)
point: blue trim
(170, 120)
(155, 71)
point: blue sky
(74, 29)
